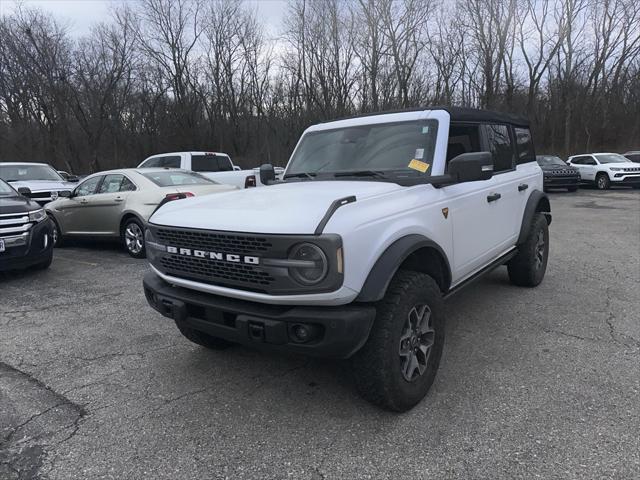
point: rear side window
(176, 178)
(499, 143)
(211, 163)
(170, 161)
(584, 160)
(524, 144)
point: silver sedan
(118, 203)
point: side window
(524, 143)
(204, 163)
(171, 162)
(589, 161)
(111, 184)
(127, 185)
(151, 163)
(88, 187)
(577, 160)
(462, 139)
(499, 143)
(224, 163)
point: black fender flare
(537, 202)
(377, 282)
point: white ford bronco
(378, 219)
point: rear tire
(133, 238)
(528, 267)
(398, 364)
(203, 339)
(602, 181)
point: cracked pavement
(540, 382)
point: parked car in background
(25, 231)
(68, 176)
(44, 182)
(606, 169)
(633, 156)
(118, 203)
(557, 174)
(214, 165)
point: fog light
(302, 333)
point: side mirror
(65, 193)
(471, 167)
(236, 168)
(267, 173)
(25, 192)
(73, 178)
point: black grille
(212, 271)
(38, 195)
(228, 243)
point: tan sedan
(118, 203)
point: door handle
(119, 199)
(493, 197)
(522, 187)
(83, 200)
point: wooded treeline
(166, 75)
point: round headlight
(316, 264)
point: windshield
(173, 178)
(387, 149)
(5, 189)
(612, 158)
(18, 173)
(549, 160)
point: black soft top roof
(463, 114)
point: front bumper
(29, 250)
(341, 330)
(625, 179)
(561, 181)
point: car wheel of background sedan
(56, 235)
(602, 181)
(133, 238)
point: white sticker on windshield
(425, 129)
(419, 154)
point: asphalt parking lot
(533, 383)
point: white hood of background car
(43, 185)
(620, 165)
(295, 207)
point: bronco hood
(288, 208)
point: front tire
(203, 339)
(398, 364)
(528, 267)
(133, 238)
(46, 264)
(602, 181)
(56, 233)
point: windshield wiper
(309, 175)
(361, 173)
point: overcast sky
(81, 14)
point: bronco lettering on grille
(223, 257)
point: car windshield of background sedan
(18, 173)
(5, 189)
(387, 149)
(549, 160)
(175, 178)
(612, 158)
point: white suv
(377, 220)
(606, 169)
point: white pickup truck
(214, 165)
